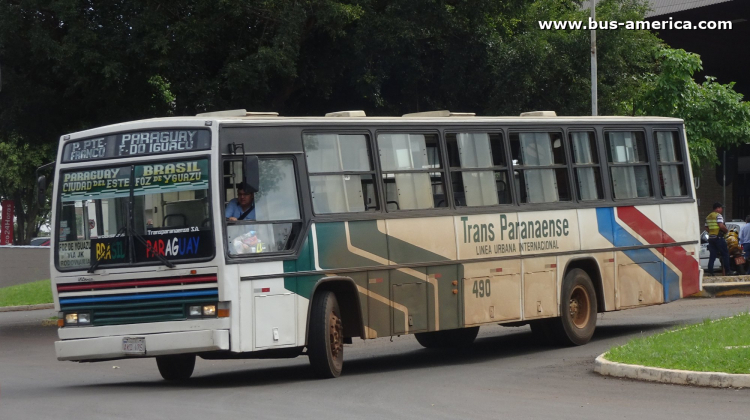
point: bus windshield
(125, 214)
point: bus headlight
(78, 318)
(203, 311)
(84, 318)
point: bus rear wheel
(176, 367)
(325, 344)
(461, 337)
(577, 320)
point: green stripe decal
(302, 285)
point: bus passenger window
(412, 172)
(671, 166)
(341, 174)
(586, 166)
(478, 170)
(539, 167)
(628, 164)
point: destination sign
(138, 143)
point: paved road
(504, 376)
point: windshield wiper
(134, 234)
(148, 246)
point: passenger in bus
(242, 207)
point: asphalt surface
(505, 375)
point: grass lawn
(722, 345)
(26, 294)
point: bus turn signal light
(223, 313)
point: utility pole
(594, 105)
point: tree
(550, 69)
(715, 115)
(18, 183)
(67, 65)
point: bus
(350, 226)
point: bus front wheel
(577, 320)
(176, 367)
(325, 343)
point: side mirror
(251, 174)
(41, 190)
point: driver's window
(266, 220)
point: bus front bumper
(107, 348)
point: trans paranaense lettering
(530, 229)
(533, 229)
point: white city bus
(431, 224)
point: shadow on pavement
(508, 345)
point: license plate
(739, 260)
(134, 345)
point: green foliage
(720, 345)
(18, 183)
(34, 293)
(715, 115)
(536, 69)
(69, 65)
(127, 60)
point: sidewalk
(720, 286)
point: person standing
(716, 242)
(745, 238)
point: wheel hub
(579, 307)
(336, 335)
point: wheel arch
(347, 295)
(591, 267)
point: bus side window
(586, 166)
(412, 173)
(539, 167)
(478, 169)
(671, 165)
(341, 173)
(628, 164)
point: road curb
(27, 307)
(724, 289)
(670, 376)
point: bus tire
(176, 367)
(577, 320)
(458, 338)
(325, 344)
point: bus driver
(242, 207)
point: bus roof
(271, 118)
